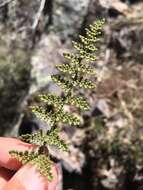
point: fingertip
(28, 178)
(8, 144)
(52, 185)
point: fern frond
(59, 102)
(51, 138)
(41, 113)
(73, 69)
(65, 117)
(75, 76)
(67, 84)
(59, 80)
(41, 161)
(73, 58)
(51, 99)
(87, 56)
(79, 102)
(24, 157)
(87, 41)
(84, 48)
(97, 26)
(44, 166)
(56, 117)
(36, 138)
(83, 83)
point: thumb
(28, 178)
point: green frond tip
(40, 138)
(92, 35)
(73, 69)
(41, 161)
(86, 47)
(97, 25)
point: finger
(28, 178)
(5, 175)
(52, 185)
(8, 144)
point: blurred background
(106, 152)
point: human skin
(15, 176)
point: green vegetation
(71, 75)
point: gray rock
(68, 16)
(17, 13)
(15, 71)
(47, 54)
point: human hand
(14, 176)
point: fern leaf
(51, 99)
(73, 58)
(78, 69)
(65, 117)
(41, 161)
(23, 157)
(67, 84)
(79, 102)
(59, 80)
(83, 83)
(73, 69)
(53, 139)
(40, 138)
(41, 113)
(87, 41)
(44, 166)
(56, 117)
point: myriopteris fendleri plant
(72, 75)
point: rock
(103, 107)
(15, 71)
(17, 13)
(68, 16)
(114, 4)
(123, 32)
(47, 55)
